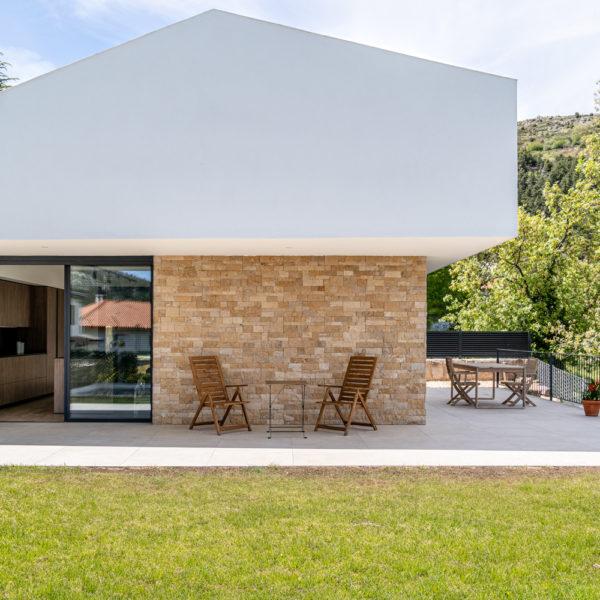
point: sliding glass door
(110, 343)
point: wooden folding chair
(460, 384)
(213, 393)
(515, 384)
(353, 393)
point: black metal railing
(559, 376)
(474, 344)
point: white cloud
(25, 64)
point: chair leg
(514, 392)
(454, 396)
(214, 414)
(349, 422)
(200, 407)
(465, 396)
(246, 416)
(461, 393)
(318, 423)
(526, 392)
(369, 416)
(339, 412)
(222, 421)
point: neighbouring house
(235, 187)
(117, 325)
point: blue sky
(551, 47)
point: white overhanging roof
(226, 135)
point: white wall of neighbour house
(226, 135)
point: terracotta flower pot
(591, 407)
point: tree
(438, 298)
(547, 280)
(4, 78)
(535, 172)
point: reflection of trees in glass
(89, 283)
(88, 367)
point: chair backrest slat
(450, 367)
(208, 377)
(359, 375)
(531, 367)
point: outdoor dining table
(494, 368)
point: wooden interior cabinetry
(36, 314)
(15, 303)
(22, 377)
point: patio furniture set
(516, 377)
(214, 394)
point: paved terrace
(549, 434)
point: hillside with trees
(548, 150)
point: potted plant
(591, 399)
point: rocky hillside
(555, 136)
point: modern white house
(278, 196)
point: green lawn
(299, 533)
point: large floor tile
(88, 456)
(18, 454)
(169, 457)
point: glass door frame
(89, 261)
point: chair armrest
(328, 385)
(237, 385)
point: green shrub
(560, 141)
(535, 147)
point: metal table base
(285, 428)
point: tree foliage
(4, 78)
(547, 280)
(535, 172)
(438, 298)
